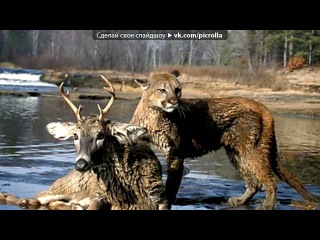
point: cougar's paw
(266, 206)
(235, 201)
(164, 206)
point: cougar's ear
(176, 73)
(127, 133)
(144, 85)
(61, 130)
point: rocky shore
(300, 96)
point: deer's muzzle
(82, 165)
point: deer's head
(93, 134)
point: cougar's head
(162, 90)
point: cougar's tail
(278, 168)
(285, 175)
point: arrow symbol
(169, 35)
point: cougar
(189, 128)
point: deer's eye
(75, 136)
(162, 90)
(100, 136)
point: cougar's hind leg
(255, 169)
(259, 166)
(252, 187)
(271, 197)
(175, 174)
(252, 183)
(266, 177)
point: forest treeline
(252, 49)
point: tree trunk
(310, 50)
(250, 64)
(4, 52)
(35, 37)
(264, 57)
(130, 56)
(285, 52)
(190, 52)
(291, 47)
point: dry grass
(197, 81)
(8, 65)
(261, 79)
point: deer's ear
(127, 133)
(61, 130)
(144, 85)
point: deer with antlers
(114, 169)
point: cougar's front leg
(175, 174)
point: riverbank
(296, 92)
(290, 101)
(31, 164)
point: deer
(115, 167)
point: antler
(104, 111)
(71, 105)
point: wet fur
(243, 127)
(115, 167)
(125, 174)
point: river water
(24, 80)
(30, 159)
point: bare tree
(214, 49)
(190, 55)
(35, 37)
(241, 46)
(285, 52)
(4, 51)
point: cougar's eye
(75, 136)
(162, 90)
(100, 136)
